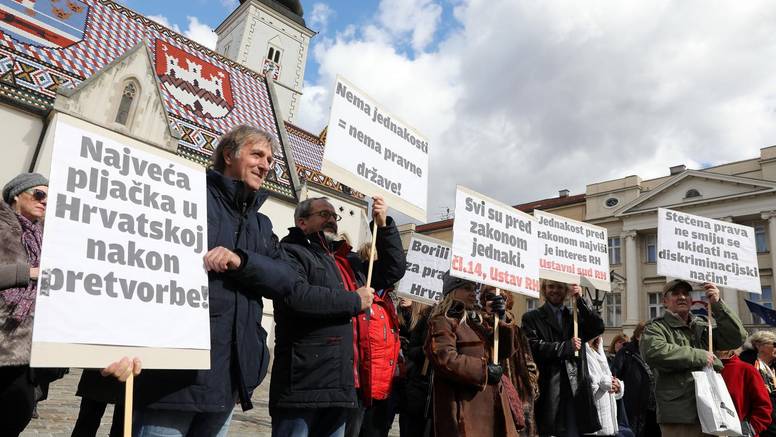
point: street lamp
(598, 297)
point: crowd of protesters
(349, 356)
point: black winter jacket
(238, 354)
(314, 347)
(552, 349)
(634, 372)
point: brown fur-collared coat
(464, 404)
(15, 338)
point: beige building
(742, 192)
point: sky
(521, 99)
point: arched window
(692, 193)
(127, 98)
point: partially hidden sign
(373, 151)
(125, 233)
(427, 260)
(701, 249)
(571, 250)
(494, 244)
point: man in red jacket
(747, 391)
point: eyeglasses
(326, 215)
(38, 195)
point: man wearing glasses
(314, 376)
(676, 344)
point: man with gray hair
(315, 373)
(244, 265)
(676, 344)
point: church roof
(48, 44)
(307, 151)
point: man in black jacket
(244, 264)
(565, 406)
(313, 385)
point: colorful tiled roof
(306, 148)
(47, 44)
(307, 151)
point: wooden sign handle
(495, 333)
(574, 313)
(128, 389)
(711, 330)
(372, 254)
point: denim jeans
(305, 422)
(173, 423)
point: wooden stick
(576, 320)
(372, 254)
(711, 320)
(424, 371)
(128, 389)
(495, 333)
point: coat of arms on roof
(203, 88)
(44, 23)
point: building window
(760, 238)
(125, 106)
(612, 202)
(613, 310)
(614, 250)
(650, 242)
(655, 305)
(273, 54)
(531, 304)
(692, 193)
(765, 299)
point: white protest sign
(427, 259)
(571, 250)
(374, 152)
(494, 244)
(701, 249)
(125, 233)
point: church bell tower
(270, 36)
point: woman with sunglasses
(758, 351)
(21, 233)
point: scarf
(22, 299)
(767, 374)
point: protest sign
(570, 250)
(374, 152)
(427, 260)
(121, 265)
(494, 244)
(701, 249)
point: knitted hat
(23, 181)
(450, 283)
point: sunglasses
(38, 195)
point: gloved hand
(494, 373)
(498, 305)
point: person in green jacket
(676, 344)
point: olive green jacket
(674, 349)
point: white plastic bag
(715, 407)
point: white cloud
(196, 30)
(161, 19)
(230, 5)
(319, 17)
(201, 33)
(418, 19)
(524, 98)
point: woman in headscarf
(21, 231)
(470, 396)
(520, 368)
